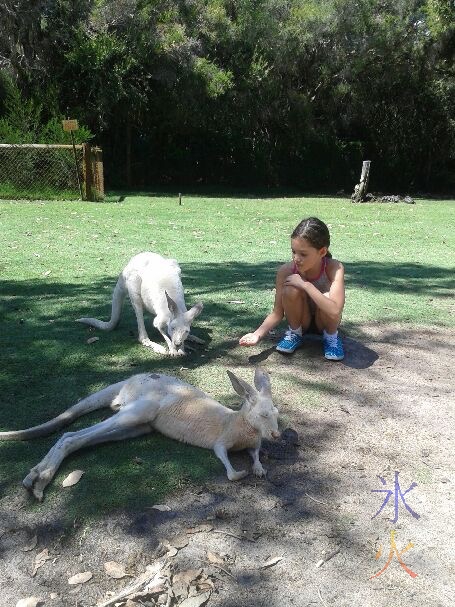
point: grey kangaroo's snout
(275, 434)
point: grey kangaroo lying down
(153, 401)
(153, 282)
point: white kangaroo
(153, 282)
(154, 401)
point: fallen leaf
(114, 570)
(187, 576)
(213, 557)
(271, 562)
(30, 601)
(46, 273)
(31, 544)
(199, 528)
(179, 541)
(161, 507)
(206, 585)
(72, 478)
(40, 559)
(236, 301)
(91, 340)
(80, 578)
(196, 601)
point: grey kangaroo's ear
(242, 387)
(171, 305)
(262, 381)
(194, 311)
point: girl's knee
(294, 294)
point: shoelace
(332, 340)
(289, 335)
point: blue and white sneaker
(290, 342)
(333, 347)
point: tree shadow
(405, 278)
(357, 354)
(47, 364)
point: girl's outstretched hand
(250, 339)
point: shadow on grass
(405, 278)
(222, 193)
(47, 365)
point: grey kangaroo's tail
(99, 400)
(118, 298)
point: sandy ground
(387, 408)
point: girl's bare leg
(296, 308)
(325, 322)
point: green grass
(59, 260)
(14, 192)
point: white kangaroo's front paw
(151, 344)
(259, 470)
(175, 352)
(236, 476)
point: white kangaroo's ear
(262, 381)
(242, 387)
(194, 311)
(171, 305)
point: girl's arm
(332, 303)
(275, 317)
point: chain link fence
(50, 171)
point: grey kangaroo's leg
(258, 469)
(129, 422)
(221, 453)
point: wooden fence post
(88, 172)
(99, 173)
(93, 173)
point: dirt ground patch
(387, 408)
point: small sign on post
(70, 126)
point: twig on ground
(315, 500)
(218, 567)
(320, 596)
(327, 557)
(239, 537)
(143, 580)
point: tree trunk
(361, 188)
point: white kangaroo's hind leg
(221, 453)
(129, 422)
(258, 469)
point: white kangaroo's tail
(99, 400)
(118, 298)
